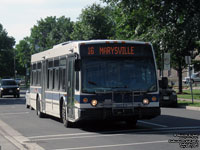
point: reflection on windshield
(120, 73)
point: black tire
(31, 107)
(27, 106)
(65, 121)
(39, 113)
(131, 123)
(18, 95)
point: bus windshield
(108, 74)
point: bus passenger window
(56, 79)
(48, 75)
(53, 80)
(63, 77)
(77, 81)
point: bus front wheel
(65, 121)
(131, 123)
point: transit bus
(95, 80)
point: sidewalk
(6, 145)
(11, 139)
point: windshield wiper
(117, 87)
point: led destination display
(116, 49)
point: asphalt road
(176, 127)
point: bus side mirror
(77, 65)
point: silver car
(195, 77)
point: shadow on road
(9, 100)
(173, 125)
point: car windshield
(107, 74)
(8, 82)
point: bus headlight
(1, 89)
(145, 101)
(18, 89)
(94, 102)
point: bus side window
(63, 77)
(50, 79)
(53, 79)
(57, 79)
(77, 80)
(61, 83)
(60, 79)
(48, 74)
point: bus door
(43, 83)
(70, 85)
(122, 103)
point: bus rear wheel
(65, 121)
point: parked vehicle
(195, 77)
(168, 96)
(18, 81)
(9, 87)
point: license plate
(165, 97)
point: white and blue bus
(95, 80)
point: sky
(19, 16)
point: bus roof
(72, 47)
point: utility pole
(188, 62)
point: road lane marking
(77, 137)
(17, 113)
(108, 134)
(116, 145)
(154, 124)
(60, 135)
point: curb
(189, 107)
(17, 139)
(193, 108)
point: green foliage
(6, 54)
(95, 22)
(172, 26)
(23, 55)
(50, 31)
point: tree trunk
(180, 77)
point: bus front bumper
(119, 114)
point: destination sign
(108, 50)
(115, 49)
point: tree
(6, 54)
(95, 22)
(172, 26)
(50, 31)
(23, 56)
